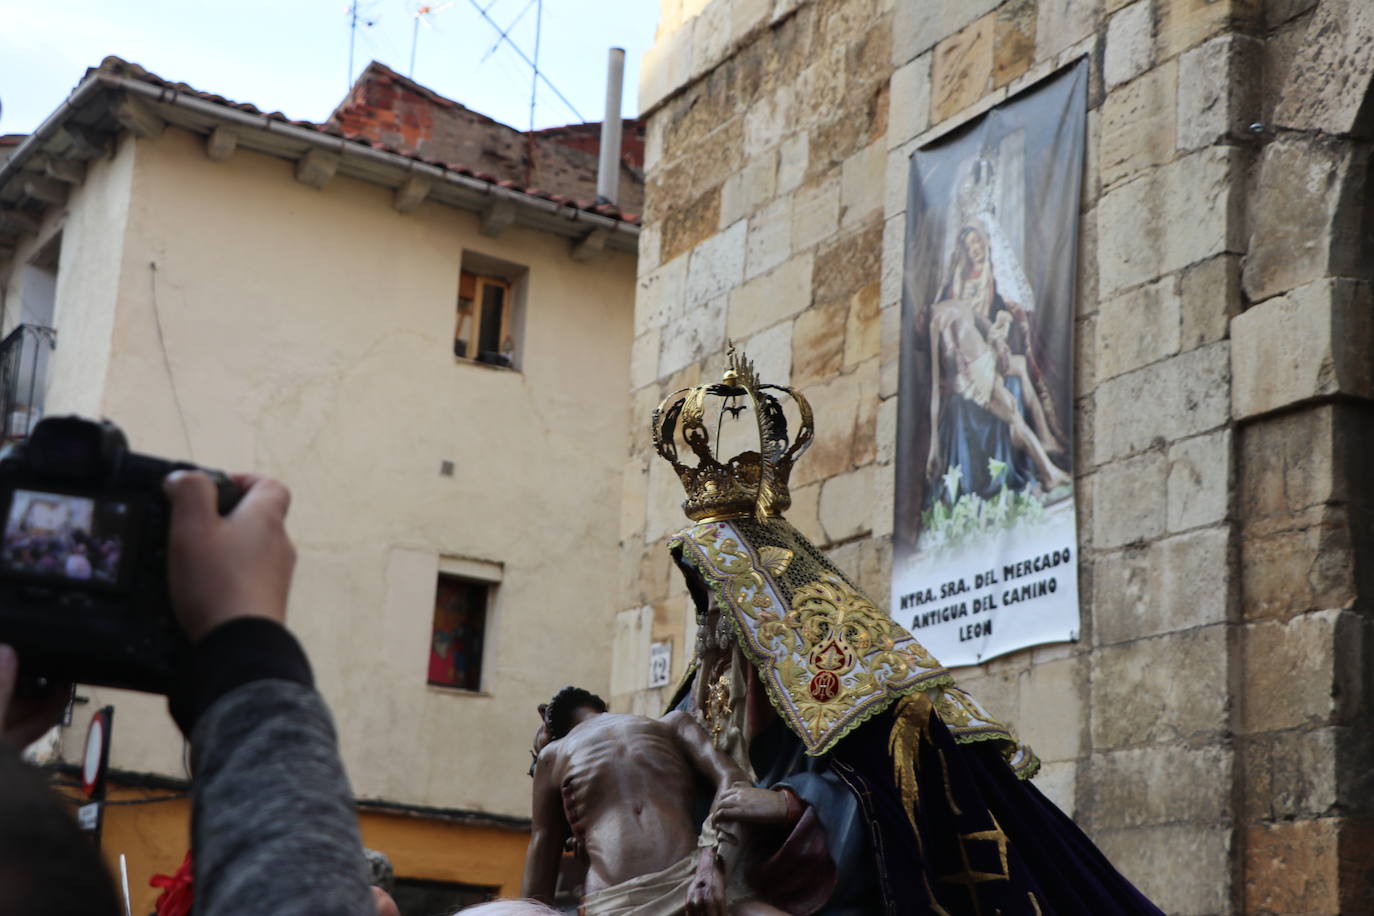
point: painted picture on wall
(985, 552)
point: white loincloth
(975, 380)
(662, 893)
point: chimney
(608, 170)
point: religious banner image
(985, 558)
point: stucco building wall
(257, 322)
(1209, 729)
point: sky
(292, 55)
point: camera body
(83, 556)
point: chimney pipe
(608, 170)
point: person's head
(563, 710)
(508, 908)
(973, 245)
(47, 866)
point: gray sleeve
(273, 828)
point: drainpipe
(608, 171)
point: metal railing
(24, 378)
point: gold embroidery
(969, 878)
(775, 559)
(903, 743)
(1035, 904)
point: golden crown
(751, 483)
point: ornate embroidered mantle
(828, 658)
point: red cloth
(176, 897)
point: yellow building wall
(265, 325)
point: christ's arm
(548, 829)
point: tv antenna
(423, 13)
(355, 16)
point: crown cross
(752, 483)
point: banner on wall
(985, 555)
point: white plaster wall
(308, 335)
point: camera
(83, 556)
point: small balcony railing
(24, 357)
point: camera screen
(59, 536)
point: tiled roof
(120, 67)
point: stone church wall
(1211, 728)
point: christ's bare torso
(627, 792)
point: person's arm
(273, 826)
(548, 829)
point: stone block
(660, 296)
(1199, 485)
(649, 251)
(916, 27)
(1130, 44)
(1293, 867)
(1173, 399)
(696, 170)
(644, 358)
(1325, 86)
(771, 351)
(832, 451)
(634, 491)
(1286, 573)
(1157, 691)
(846, 507)
(710, 36)
(793, 159)
(1013, 41)
(766, 300)
(815, 213)
(1137, 328)
(1173, 585)
(1218, 90)
(1058, 781)
(745, 192)
(867, 65)
(805, 514)
(1296, 774)
(893, 266)
(1184, 869)
(909, 105)
(1051, 715)
(1290, 672)
(1146, 786)
(1312, 342)
(1181, 24)
(820, 89)
(1086, 282)
(818, 344)
(848, 264)
(1289, 463)
(889, 372)
(1178, 214)
(700, 333)
(747, 15)
(962, 69)
(769, 239)
(862, 340)
(866, 413)
(663, 512)
(717, 265)
(1209, 297)
(861, 185)
(1138, 124)
(630, 651)
(1062, 23)
(1129, 502)
(642, 404)
(767, 121)
(884, 489)
(1304, 216)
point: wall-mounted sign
(660, 663)
(985, 557)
